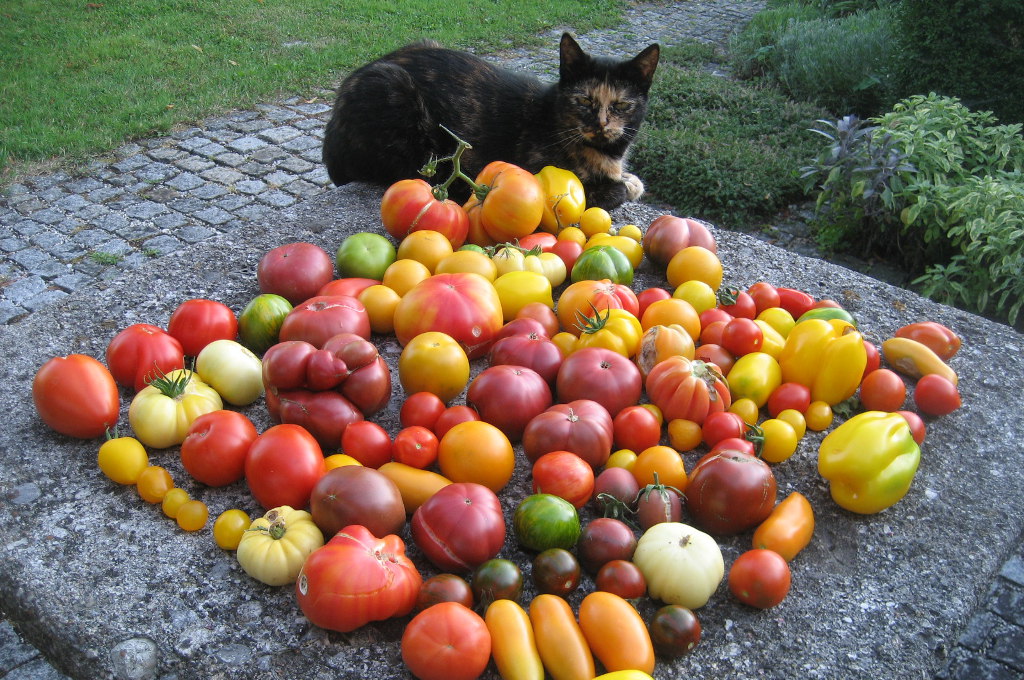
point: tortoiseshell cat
(387, 117)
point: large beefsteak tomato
(687, 389)
(463, 305)
(583, 427)
(508, 396)
(602, 375)
(460, 527)
(142, 352)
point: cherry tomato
(882, 390)
(675, 630)
(415, 446)
(541, 313)
(603, 540)
(760, 578)
(123, 459)
(780, 440)
(649, 295)
(622, 578)
(796, 302)
(742, 336)
(367, 442)
(192, 515)
(142, 352)
(684, 435)
(917, 427)
(935, 395)
(738, 303)
(434, 362)
(496, 579)
(722, 425)
(173, 500)
(818, 416)
(764, 295)
(452, 416)
(717, 355)
(636, 428)
(556, 571)
(229, 527)
(153, 484)
(789, 395)
(444, 588)
(421, 408)
(663, 462)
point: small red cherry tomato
(760, 578)
(415, 446)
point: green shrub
(719, 149)
(965, 48)
(940, 186)
(751, 49)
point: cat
(387, 117)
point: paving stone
(70, 282)
(83, 185)
(211, 149)
(44, 182)
(979, 668)
(277, 198)
(254, 211)
(208, 191)
(231, 159)
(1009, 649)
(253, 125)
(253, 169)
(1014, 570)
(24, 289)
(114, 221)
(146, 210)
(28, 227)
(91, 238)
(138, 229)
(187, 205)
(242, 116)
(213, 215)
(304, 143)
(48, 216)
(10, 313)
(233, 202)
(167, 154)
(309, 124)
(313, 109)
(11, 244)
(279, 135)
(92, 212)
(1009, 603)
(53, 194)
(269, 154)
(163, 244)
(105, 193)
(186, 181)
(318, 176)
(222, 175)
(44, 299)
(295, 165)
(247, 144)
(302, 189)
(194, 233)
(223, 135)
(72, 203)
(171, 220)
(313, 155)
(16, 189)
(278, 178)
(131, 163)
(251, 186)
(194, 164)
(156, 172)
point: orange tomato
(381, 302)
(560, 641)
(747, 409)
(789, 527)
(414, 485)
(426, 246)
(153, 484)
(462, 261)
(402, 275)
(602, 294)
(339, 460)
(684, 435)
(663, 460)
(476, 451)
(661, 342)
(512, 642)
(672, 311)
(694, 263)
(616, 633)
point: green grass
(80, 78)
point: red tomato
(736, 444)
(636, 428)
(874, 357)
(197, 322)
(737, 303)
(76, 395)
(421, 408)
(538, 238)
(415, 446)
(668, 234)
(796, 302)
(717, 355)
(764, 295)
(462, 305)
(882, 390)
(452, 416)
(446, 642)
(295, 271)
(527, 326)
(325, 415)
(569, 251)
(687, 389)
(351, 286)
(540, 312)
(283, 465)
(216, 446)
(722, 425)
(142, 352)
(508, 397)
(935, 395)
(444, 588)
(599, 375)
(354, 494)
(410, 205)
(565, 475)
(621, 577)
(318, 319)
(533, 351)
(459, 527)
(713, 315)
(759, 578)
(711, 334)
(742, 336)
(378, 582)
(603, 540)
(367, 442)
(917, 428)
(789, 395)
(583, 427)
(729, 492)
(645, 297)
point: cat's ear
(646, 62)
(571, 57)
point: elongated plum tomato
(76, 396)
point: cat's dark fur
(387, 117)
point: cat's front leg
(634, 187)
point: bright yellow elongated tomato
(416, 486)
(754, 376)
(162, 412)
(563, 648)
(616, 633)
(512, 643)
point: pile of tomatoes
(599, 389)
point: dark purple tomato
(497, 579)
(623, 578)
(444, 588)
(556, 571)
(603, 540)
(675, 630)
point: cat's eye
(584, 101)
(623, 107)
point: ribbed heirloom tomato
(462, 305)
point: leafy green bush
(965, 48)
(937, 184)
(751, 49)
(720, 149)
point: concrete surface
(106, 586)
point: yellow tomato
(123, 459)
(517, 289)
(380, 302)
(623, 458)
(476, 451)
(795, 419)
(818, 416)
(663, 460)
(434, 362)
(173, 500)
(780, 440)
(340, 460)
(633, 251)
(573, 234)
(192, 515)
(773, 341)
(426, 246)
(699, 294)
(779, 319)
(154, 483)
(747, 409)
(468, 261)
(229, 527)
(672, 311)
(657, 412)
(694, 263)
(565, 341)
(595, 221)
(631, 231)
(684, 435)
(402, 275)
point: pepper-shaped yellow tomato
(564, 198)
(615, 329)
(632, 249)
(754, 376)
(869, 461)
(828, 356)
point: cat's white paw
(634, 187)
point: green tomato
(544, 521)
(365, 255)
(603, 262)
(260, 321)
